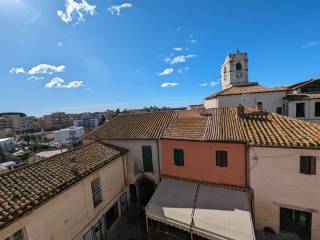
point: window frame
(178, 157)
(147, 160)
(238, 66)
(300, 114)
(279, 112)
(13, 237)
(317, 111)
(95, 192)
(308, 165)
(221, 162)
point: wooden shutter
(308, 165)
(178, 157)
(147, 158)
(222, 158)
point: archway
(146, 189)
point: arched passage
(146, 189)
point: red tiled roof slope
(236, 90)
(27, 187)
(137, 126)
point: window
(238, 66)
(221, 158)
(147, 158)
(317, 109)
(19, 235)
(124, 203)
(308, 165)
(88, 235)
(96, 192)
(178, 157)
(279, 110)
(300, 110)
(112, 215)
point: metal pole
(147, 224)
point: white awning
(222, 213)
(210, 212)
(172, 203)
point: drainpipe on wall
(158, 160)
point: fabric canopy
(208, 211)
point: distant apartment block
(87, 120)
(57, 120)
(6, 144)
(67, 135)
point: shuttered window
(96, 192)
(317, 109)
(178, 157)
(300, 110)
(308, 165)
(222, 158)
(147, 158)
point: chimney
(73, 165)
(259, 106)
(240, 111)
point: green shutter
(147, 158)
(178, 157)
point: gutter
(158, 160)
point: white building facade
(285, 185)
(6, 144)
(301, 100)
(68, 134)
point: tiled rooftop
(236, 90)
(302, 96)
(136, 126)
(253, 127)
(27, 187)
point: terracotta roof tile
(187, 125)
(254, 127)
(138, 126)
(236, 90)
(27, 187)
(302, 96)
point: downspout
(158, 160)
(247, 160)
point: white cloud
(178, 49)
(169, 84)
(180, 70)
(187, 68)
(59, 44)
(182, 58)
(34, 78)
(17, 70)
(192, 41)
(116, 9)
(166, 72)
(167, 60)
(210, 84)
(75, 11)
(312, 44)
(46, 68)
(60, 83)
(179, 29)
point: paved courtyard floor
(131, 226)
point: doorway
(146, 189)
(295, 221)
(133, 193)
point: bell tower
(234, 70)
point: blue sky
(113, 57)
